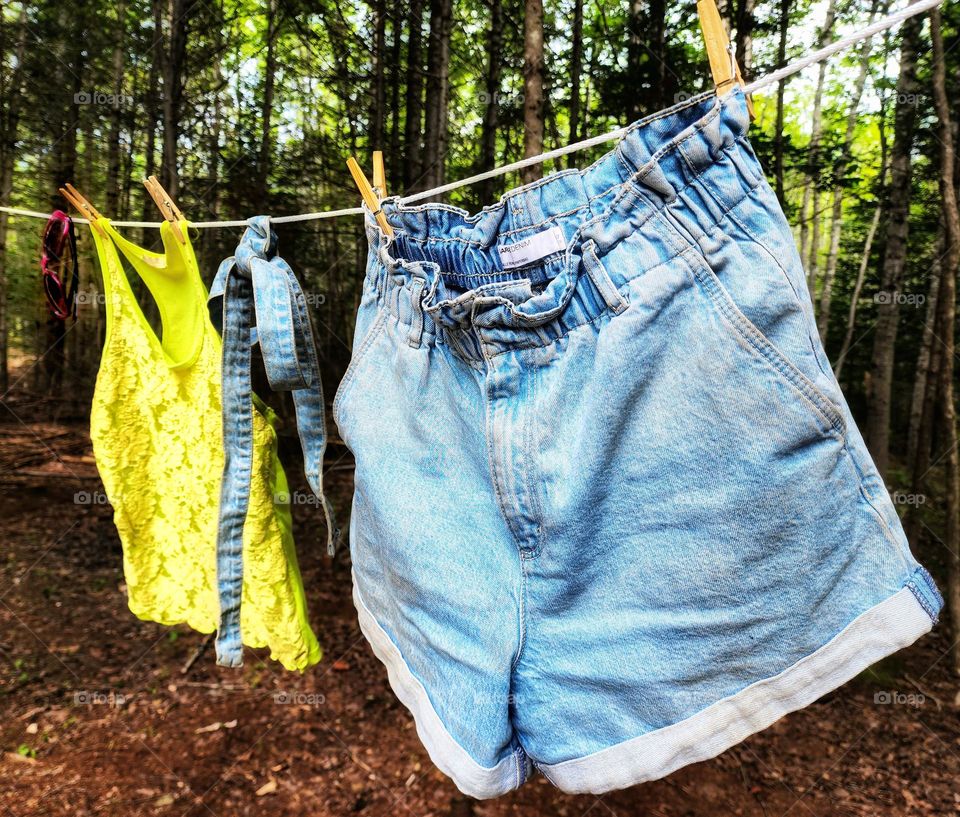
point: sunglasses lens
(57, 257)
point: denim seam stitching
(699, 175)
(472, 242)
(522, 615)
(353, 368)
(773, 257)
(891, 539)
(611, 296)
(677, 143)
(640, 191)
(622, 290)
(491, 433)
(931, 585)
(538, 343)
(911, 583)
(631, 188)
(531, 488)
(757, 340)
(762, 345)
(604, 314)
(731, 214)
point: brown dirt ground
(149, 739)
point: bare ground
(97, 715)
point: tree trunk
(488, 133)
(152, 114)
(532, 88)
(947, 309)
(930, 414)
(660, 90)
(836, 216)
(808, 247)
(12, 98)
(210, 239)
(778, 146)
(173, 65)
(395, 160)
(266, 110)
(746, 22)
(438, 64)
(857, 289)
(413, 122)
(891, 277)
(816, 218)
(868, 243)
(634, 78)
(576, 70)
(590, 72)
(65, 159)
(112, 197)
(377, 115)
(924, 368)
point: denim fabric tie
(256, 297)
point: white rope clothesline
(775, 76)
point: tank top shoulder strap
(118, 295)
(173, 279)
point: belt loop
(416, 317)
(601, 278)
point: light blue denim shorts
(612, 514)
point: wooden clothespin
(72, 195)
(167, 207)
(370, 198)
(379, 175)
(720, 52)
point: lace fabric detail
(157, 440)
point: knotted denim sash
(256, 297)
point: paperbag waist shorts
(612, 514)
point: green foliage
(230, 165)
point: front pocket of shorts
(357, 360)
(761, 346)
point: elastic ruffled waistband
(451, 259)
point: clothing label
(533, 248)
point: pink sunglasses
(58, 266)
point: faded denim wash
(612, 513)
(256, 299)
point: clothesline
(782, 73)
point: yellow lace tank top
(156, 430)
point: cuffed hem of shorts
(883, 629)
(447, 755)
